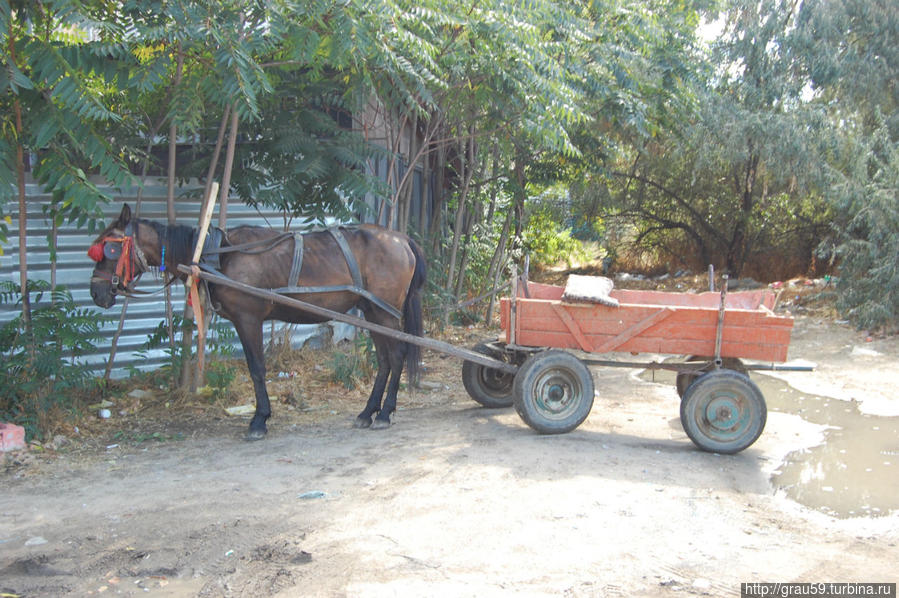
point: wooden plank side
(757, 351)
(754, 333)
(572, 327)
(688, 322)
(750, 300)
(671, 342)
(613, 343)
(751, 335)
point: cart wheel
(685, 379)
(490, 387)
(723, 411)
(553, 392)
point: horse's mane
(178, 238)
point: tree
(58, 90)
(731, 173)
(846, 50)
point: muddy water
(854, 473)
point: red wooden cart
(532, 368)
(722, 410)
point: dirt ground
(452, 500)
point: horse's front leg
(250, 334)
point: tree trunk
(216, 153)
(114, 345)
(23, 208)
(229, 167)
(54, 246)
(496, 264)
(185, 375)
(434, 229)
(519, 191)
(23, 214)
(475, 217)
(738, 246)
(466, 159)
(422, 223)
(407, 184)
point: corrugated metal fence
(73, 269)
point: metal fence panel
(73, 269)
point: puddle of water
(854, 473)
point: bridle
(131, 262)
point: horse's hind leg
(363, 420)
(396, 353)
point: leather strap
(337, 233)
(297, 260)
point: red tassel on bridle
(125, 268)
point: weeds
(360, 363)
(43, 372)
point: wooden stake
(192, 283)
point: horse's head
(120, 261)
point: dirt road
(453, 500)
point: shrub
(548, 243)
(350, 368)
(42, 371)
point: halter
(126, 252)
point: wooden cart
(552, 389)
(721, 410)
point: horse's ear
(125, 216)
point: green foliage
(42, 371)
(304, 163)
(868, 234)
(219, 376)
(175, 354)
(548, 243)
(350, 368)
(65, 88)
(220, 340)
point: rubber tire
(684, 380)
(553, 371)
(738, 399)
(488, 386)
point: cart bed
(650, 322)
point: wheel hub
(723, 413)
(554, 395)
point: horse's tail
(412, 318)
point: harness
(357, 287)
(131, 262)
(337, 233)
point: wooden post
(720, 329)
(513, 308)
(192, 283)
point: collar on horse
(131, 261)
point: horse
(332, 265)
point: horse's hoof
(380, 424)
(253, 435)
(362, 422)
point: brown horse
(389, 265)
